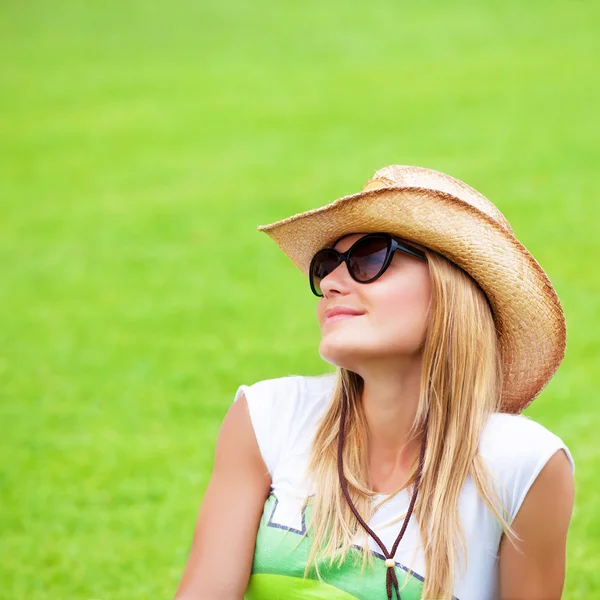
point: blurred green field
(140, 146)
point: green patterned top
(280, 558)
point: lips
(338, 313)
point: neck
(390, 400)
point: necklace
(391, 580)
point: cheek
(402, 312)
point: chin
(344, 355)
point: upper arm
(534, 568)
(220, 560)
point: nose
(337, 282)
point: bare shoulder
(549, 502)
(229, 513)
(533, 565)
(236, 442)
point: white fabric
(285, 413)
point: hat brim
(528, 315)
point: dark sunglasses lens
(368, 257)
(325, 262)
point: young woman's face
(393, 309)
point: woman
(409, 472)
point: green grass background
(140, 145)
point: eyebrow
(395, 237)
(333, 244)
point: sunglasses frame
(393, 244)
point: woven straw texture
(451, 218)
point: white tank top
(285, 413)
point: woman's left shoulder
(516, 434)
(516, 448)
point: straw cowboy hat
(451, 218)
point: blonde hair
(461, 385)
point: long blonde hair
(461, 384)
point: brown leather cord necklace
(391, 579)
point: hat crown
(420, 177)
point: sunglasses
(367, 259)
